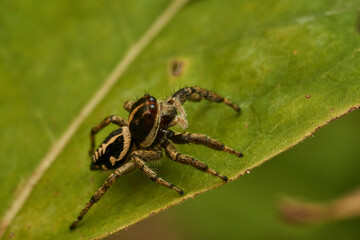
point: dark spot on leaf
(11, 235)
(308, 96)
(176, 68)
(56, 193)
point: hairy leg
(140, 156)
(128, 105)
(181, 138)
(111, 119)
(127, 167)
(189, 93)
(173, 154)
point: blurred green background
(320, 169)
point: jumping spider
(142, 138)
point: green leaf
(291, 66)
(55, 59)
(320, 169)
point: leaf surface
(292, 67)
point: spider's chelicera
(142, 138)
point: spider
(142, 138)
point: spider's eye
(152, 106)
(152, 99)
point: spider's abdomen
(113, 151)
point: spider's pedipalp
(173, 113)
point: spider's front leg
(181, 138)
(188, 93)
(114, 119)
(128, 105)
(127, 167)
(141, 156)
(173, 154)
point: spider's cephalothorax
(142, 138)
(144, 120)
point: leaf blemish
(176, 68)
(308, 96)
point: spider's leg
(188, 93)
(127, 167)
(128, 105)
(173, 154)
(114, 119)
(140, 156)
(181, 138)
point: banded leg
(114, 119)
(140, 156)
(128, 167)
(173, 154)
(188, 93)
(181, 138)
(128, 105)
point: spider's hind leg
(111, 119)
(181, 138)
(197, 93)
(128, 167)
(173, 154)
